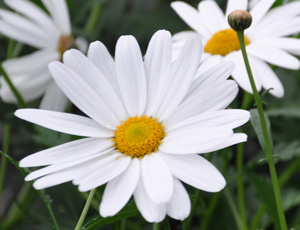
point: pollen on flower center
(65, 42)
(139, 136)
(224, 42)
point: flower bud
(239, 20)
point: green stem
(209, 213)
(94, 16)
(166, 224)
(187, 223)
(20, 100)
(268, 146)
(240, 184)
(156, 226)
(85, 210)
(293, 168)
(6, 142)
(234, 209)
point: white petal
(233, 5)
(230, 118)
(119, 190)
(217, 73)
(77, 166)
(64, 122)
(191, 17)
(30, 86)
(60, 14)
(105, 173)
(64, 172)
(268, 78)
(212, 16)
(180, 78)
(179, 206)
(30, 63)
(208, 63)
(151, 211)
(34, 13)
(83, 95)
(190, 140)
(88, 72)
(28, 27)
(239, 73)
(21, 35)
(157, 178)
(274, 56)
(234, 139)
(260, 9)
(195, 171)
(157, 67)
(207, 98)
(67, 152)
(100, 57)
(54, 99)
(131, 75)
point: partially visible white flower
(149, 119)
(266, 39)
(51, 35)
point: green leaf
(287, 151)
(129, 211)
(257, 128)
(293, 112)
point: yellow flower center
(224, 42)
(139, 136)
(65, 42)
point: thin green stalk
(267, 141)
(156, 226)
(6, 142)
(94, 16)
(10, 49)
(292, 169)
(85, 210)
(166, 224)
(209, 213)
(240, 184)
(234, 209)
(187, 223)
(20, 100)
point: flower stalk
(85, 210)
(267, 140)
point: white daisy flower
(265, 39)
(149, 119)
(51, 35)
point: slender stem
(293, 168)
(6, 142)
(166, 224)
(93, 18)
(85, 210)
(20, 100)
(234, 209)
(240, 184)
(187, 223)
(156, 226)
(268, 146)
(209, 213)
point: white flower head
(148, 121)
(265, 40)
(51, 35)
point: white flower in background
(148, 122)
(265, 39)
(51, 35)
